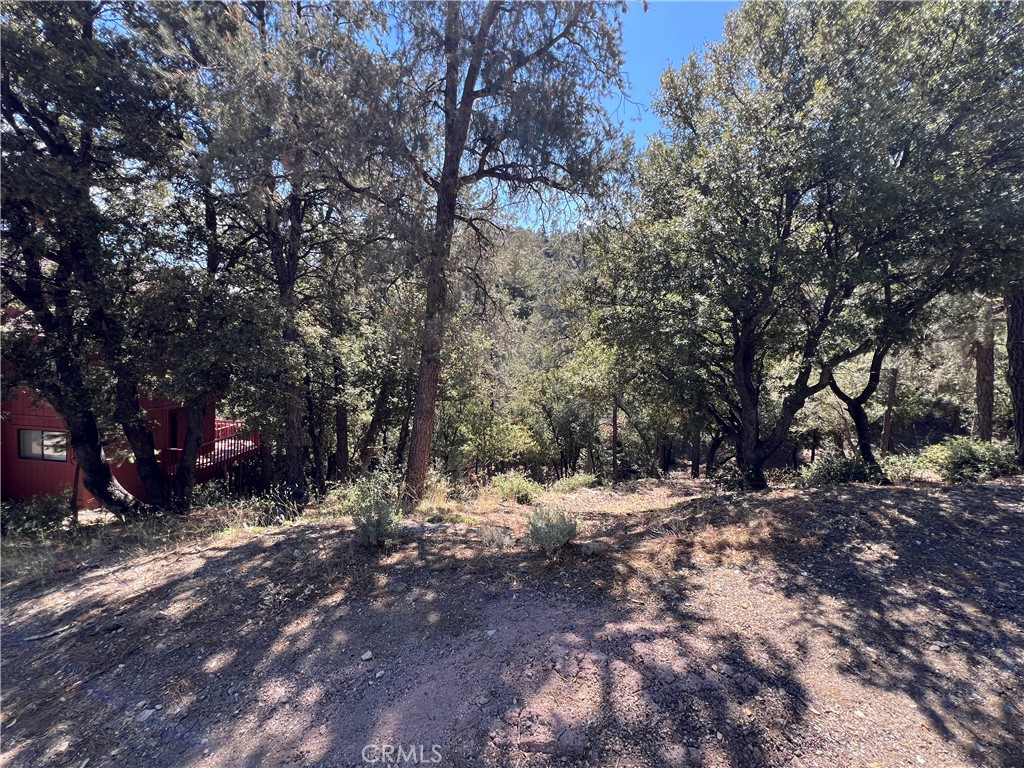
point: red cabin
(35, 458)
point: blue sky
(655, 40)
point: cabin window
(42, 445)
(174, 429)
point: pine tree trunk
(984, 353)
(425, 410)
(295, 459)
(403, 437)
(1014, 302)
(458, 100)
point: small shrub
(280, 505)
(212, 493)
(377, 522)
(513, 486)
(902, 468)
(496, 538)
(834, 470)
(783, 476)
(551, 529)
(962, 460)
(729, 477)
(593, 548)
(437, 496)
(575, 482)
(39, 515)
(345, 499)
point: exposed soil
(855, 626)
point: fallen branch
(51, 633)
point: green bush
(496, 538)
(377, 522)
(513, 486)
(41, 514)
(348, 498)
(728, 477)
(575, 482)
(962, 460)
(212, 493)
(902, 468)
(834, 470)
(551, 529)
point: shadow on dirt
(255, 652)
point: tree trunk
(295, 459)
(340, 468)
(695, 453)
(750, 451)
(368, 445)
(855, 407)
(140, 436)
(341, 443)
(459, 96)
(403, 436)
(86, 442)
(185, 475)
(591, 464)
(984, 353)
(425, 410)
(1014, 302)
(713, 446)
(890, 405)
(73, 503)
(96, 475)
(316, 439)
(615, 439)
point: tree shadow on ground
(253, 647)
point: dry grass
(27, 560)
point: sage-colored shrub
(551, 530)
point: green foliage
(496, 538)
(516, 487)
(729, 477)
(39, 515)
(962, 460)
(834, 470)
(551, 530)
(902, 467)
(453, 517)
(377, 522)
(575, 482)
(212, 493)
(349, 498)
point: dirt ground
(854, 626)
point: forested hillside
(412, 238)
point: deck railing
(229, 447)
(223, 428)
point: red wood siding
(24, 478)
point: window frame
(42, 443)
